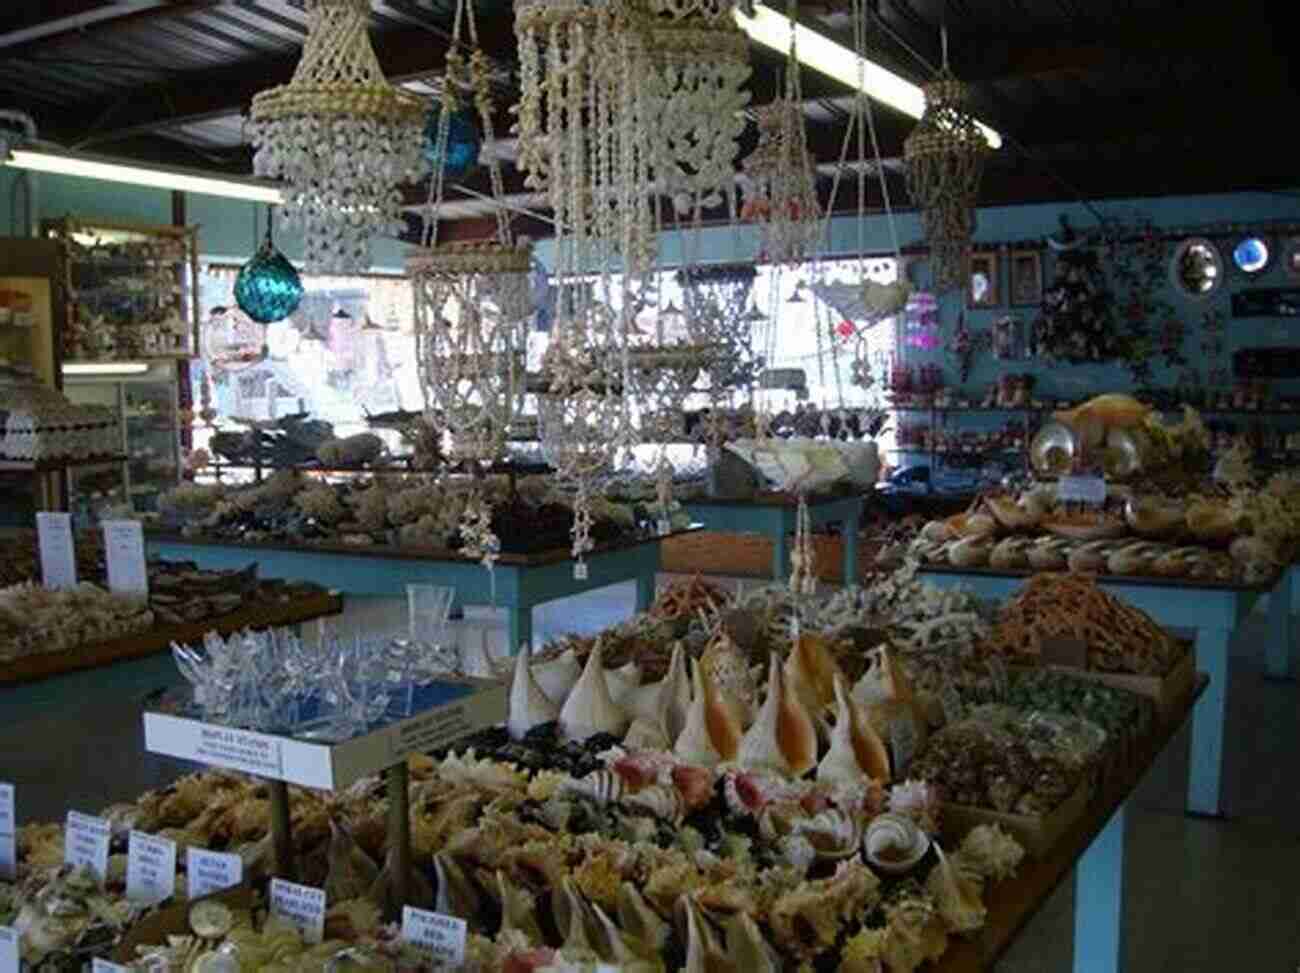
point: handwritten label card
(85, 843)
(1081, 489)
(444, 935)
(124, 550)
(8, 950)
(211, 871)
(150, 868)
(8, 828)
(301, 905)
(58, 554)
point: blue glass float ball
(268, 289)
(1251, 255)
(463, 142)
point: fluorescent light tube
(819, 52)
(106, 368)
(111, 170)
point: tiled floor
(1200, 895)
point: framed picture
(1026, 278)
(982, 280)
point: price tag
(150, 868)
(85, 843)
(8, 828)
(211, 871)
(580, 571)
(998, 672)
(301, 905)
(953, 708)
(58, 553)
(124, 549)
(98, 965)
(664, 527)
(1081, 489)
(444, 935)
(902, 740)
(8, 950)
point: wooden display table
(92, 655)
(774, 516)
(1214, 611)
(522, 581)
(1094, 847)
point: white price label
(150, 868)
(664, 527)
(85, 843)
(8, 828)
(443, 935)
(58, 553)
(8, 950)
(98, 965)
(1081, 489)
(124, 551)
(580, 571)
(211, 871)
(301, 905)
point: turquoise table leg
(781, 551)
(521, 626)
(1280, 643)
(1099, 901)
(645, 590)
(1204, 783)
(849, 537)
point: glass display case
(150, 439)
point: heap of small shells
(37, 620)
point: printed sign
(1081, 489)
(8, 950)
(211, 871)
(124, 551)
(85, 843)
(244, 750)
(580, 571)
(150, 868)
(443, 935)
(58, 554)
(301, 905)
(8, 828)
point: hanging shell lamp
(268, 288)
(341, 139)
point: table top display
(658, 798)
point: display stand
(443, 713)
(522, 581)
(774, 516)
(1213, 611)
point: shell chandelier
(340, 138)
(944, 156)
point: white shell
(645, 735)
(623, 680)
(895, 831)
(662, 802)
(832, 833)
(761, 746)
(665, 702)
(529, 704)
(557, 676)
(602, 785)
(589, 708)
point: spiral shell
(665, 803)
(603, 786)
(894, 843)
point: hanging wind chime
(340, 138)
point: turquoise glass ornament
(463, 142)
(268, 288)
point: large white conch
(590, 708)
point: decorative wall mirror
(1252, 255)
(1197, 268)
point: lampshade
(463, 142)
(268, 288)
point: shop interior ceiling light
(341, 139)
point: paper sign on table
(211, 871)
(444, 935)
(124, 551)
(85, 843)
(1081, 489)
(8, 828)
(8, 950)
(58, 553)
(301, 905)
(98, 965)
(580, 571)
(150, 868)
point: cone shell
(811, 670)
(589, 708)
(712, 733)
(529, 704)
(856, 749)
(557, 676)
(783, 736)
(728, 668)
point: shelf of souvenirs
(393, 466)
(56, 464)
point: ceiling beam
(57, 19)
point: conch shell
(712, 733)
(811, 672)
(971, 552)
(895, 843)
(1010, 553)
(623, 680)
(457, 895)
(638, 920)
(1152, 516)
(1211, 521)
(956, 896)
(1103, 412)
(1014, 515)
(833, 834)
(418, 890)
(529, 704)
(704, 954)
(747, 948)
(728, 667)
(783, 736)
(665, 702)
(589, 708)
(856, 749)
(517, 909)
(557, 676)
(938, 531)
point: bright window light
(816, 51)
(109, 170)
(106, 368)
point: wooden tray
(1037, 834)
(1168, 692)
